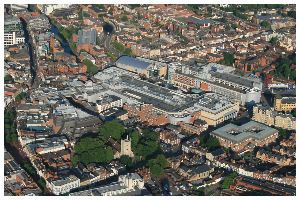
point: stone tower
(126, 147)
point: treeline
(10, 131)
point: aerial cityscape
(150, 100)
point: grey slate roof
(237, 134)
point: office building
(246, 136)
(13, 31)
(63, 185)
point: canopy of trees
(10, 126)
(148, 143)
(292, 14)
(229, 180)
(112, 129)
(228, 59)
(209, 142)
(121, 48)
(265, 24)
(20, 96)
(283, 67)
(293, 112)
(91, 150)
(8, 79)
(274, 40)
(126, 160)
(157, 165)
(124, 18)
(91, 68)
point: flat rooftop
(237, 134)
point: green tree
(293, 112)
(124, 18)
(100, 6)
(229, 180)
(209, 142)
(112, 129)
(282, 132)
(274, 41)
(8, 79)
(128, 52)
(228, 58)
(9, 126)
(91, 68)
(292, 14)
(91, 150)
(148, 143)
(157, 165)
(265, 24)
(126, 160)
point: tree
(134, 136)
(9, 126)
(282, 132)
(292, 14)
(91, 150)
(124, 18)
(100, 6)
(8, 79)
(229, 180)
(148, 143)
(265, 24)
(157, 165)
(274, 41)
(209, 142)
(126, 160)
(128, 52)
(112, 129)
(229, 58)
(91, 68)
(293, 112)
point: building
(235, 87)
(86, 39)
(142, 66)
(216, 78)
(215, 109)
(246, 136)
(129, 184)
(49, 8)
(126, 148)
(272, 118)
(286, 104)
(63, 185)
(13, 32)
(38, 23)
(195, 172)
(87, 36)
(107, 102)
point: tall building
(13, 32)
